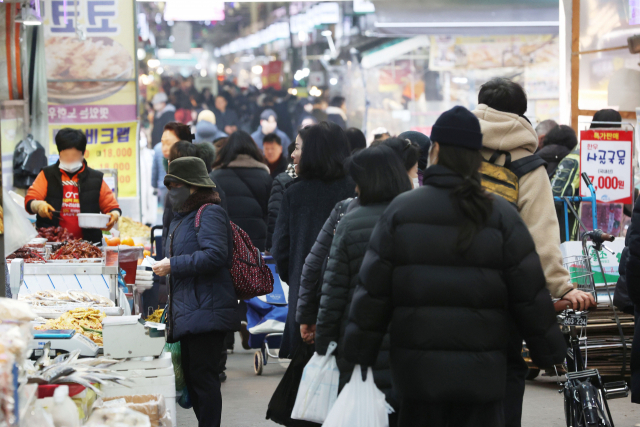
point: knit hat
(458, 127)
(207, 116)
(422, 141)
(189, 170)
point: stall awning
(466, 17)
(392, 50)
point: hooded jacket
(449, 315)
(247, 185)
(553, 155)
(202, 295)
(207, 132)
(512, 133)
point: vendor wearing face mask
(69, 187)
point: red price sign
(607, 157)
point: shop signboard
(606, 155)
(109, 146)
(272, 75)
(91, 79)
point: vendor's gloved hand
(42, 208)
(114, 218)
(162, 268)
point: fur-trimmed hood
(245, 161)
(199, 198)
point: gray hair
(545, 126)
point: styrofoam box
(148, 375)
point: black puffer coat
(340, 280)
(280, 184)
(315, 264)
(449, 315)
(306, 205)
(633, 288)
(247, 185)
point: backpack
(565, 182)
(250, 274)
(566, 178)
(505, 180)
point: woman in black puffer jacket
(454, 268)
(306, 205)
(240, 170)
(379, 176)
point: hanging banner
(607, 157)
(109, 146)
(91, 82)
(90, 60)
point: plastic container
(47, 390)
(93, 220)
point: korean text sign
(606, 155)
(97, 72)
(109, 146)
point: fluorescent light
(203, 73)
(326, 33)
(333, 81)
(302, 36)
(467, 24)
(460, 80)
(153, 63)
(141, 54)
(256, 69)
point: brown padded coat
(512, 133)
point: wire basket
(579, 268)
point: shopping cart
(585, 394)
(266, 317)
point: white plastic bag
(318, 389)
(360, 404)
(18, 229)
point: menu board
(91, 81)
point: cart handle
(586, 179)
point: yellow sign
(109, 146)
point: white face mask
(416, 183)
(71, 167)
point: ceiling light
(326, 33)
(333, 81)
(153, 63)
(203, 73)
(141, 54)
(160, 70)
(256, 69)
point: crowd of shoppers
(394, 251)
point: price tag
(607, 157)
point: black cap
(458, 127)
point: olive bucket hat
(190, 171)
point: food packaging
(117, 416)
(92, 220)
(152, 405)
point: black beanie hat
(422, 141)
(458, 127)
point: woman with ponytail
(448, 271)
